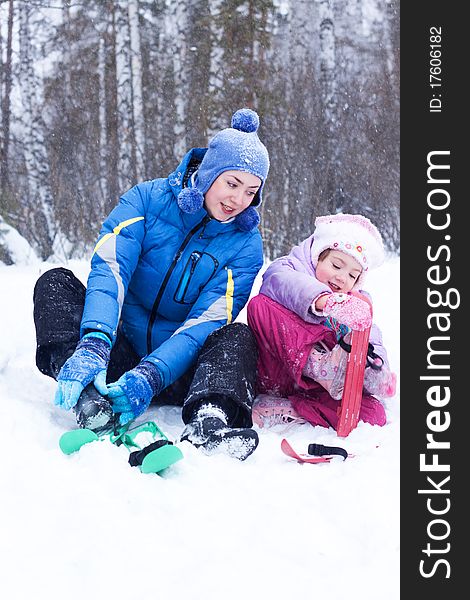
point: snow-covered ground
(88, 525)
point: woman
(175, 261)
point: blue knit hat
(237, 148)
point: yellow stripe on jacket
(222, 307)
(116, 231)
(229, 295)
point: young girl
(172, 268)
(301, 319)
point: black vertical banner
(435, 265)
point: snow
(212, 527)
(17, 246)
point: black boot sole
(237, 443)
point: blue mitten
(132, 393)
(88, 363)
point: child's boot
(208, 429)
(272, 410)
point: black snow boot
(208, 430)
(93, 411)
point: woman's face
(338, 270)
(230, 194)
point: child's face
(338, 270)
(230, 194)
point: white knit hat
(353, 234)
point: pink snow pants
(284, 343)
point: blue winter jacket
(169, 277)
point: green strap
(126, 437)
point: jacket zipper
(183, 285)
(156, 304)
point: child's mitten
(380, 382)
(348, 310)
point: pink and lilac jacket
(291, 281)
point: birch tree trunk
(5, 95)
(328, 62)
(103, 183)
(216, 73)
(177, 46)
(136, 87)
(36, 206)
(200, 106)
(127, 159)
(111, 151)
(391, 40)
(329, 99)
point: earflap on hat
(355, 235)
(248, 219)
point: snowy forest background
(97, 95)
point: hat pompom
(248, 219)
(190, 200)
(246, 120)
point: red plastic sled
(350, 406)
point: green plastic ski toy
(151, 458)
